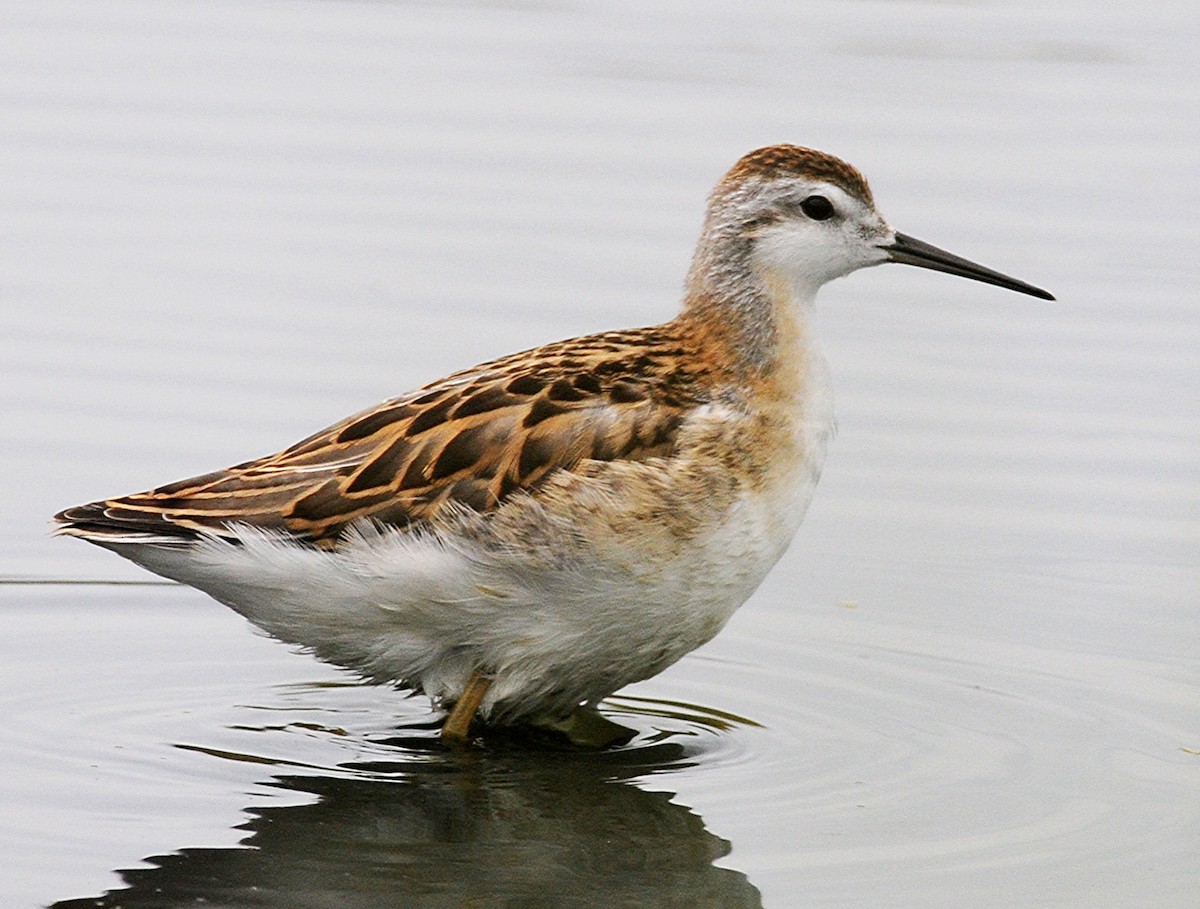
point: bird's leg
(458, 723)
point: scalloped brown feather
(469, 440)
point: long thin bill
(909, 251)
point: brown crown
(791, 160)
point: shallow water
(972, 681)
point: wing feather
(471, 440)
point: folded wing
(470, 440)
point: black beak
(908, 251)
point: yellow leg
(458, 724)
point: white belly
(561, 599)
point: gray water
(972, 680)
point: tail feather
(107, 522)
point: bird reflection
(507, 826)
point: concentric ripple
(855, 753)
(370, 732)
(925, 757)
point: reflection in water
(509, 825)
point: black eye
(817, 207)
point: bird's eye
(817, 207)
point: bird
(525, 537)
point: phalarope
(525, 537)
